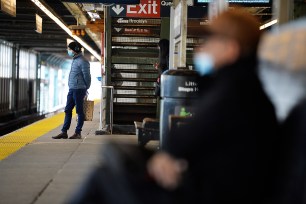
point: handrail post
(100, 131)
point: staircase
(133, 74)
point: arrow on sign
(118, 29)
(118, 9)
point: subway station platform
(43, 170)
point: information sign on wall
(137, 21)
(9, 7)
(133, 31)
(38, 24)
(155, 9)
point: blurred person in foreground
(226, 151)
(79, 82)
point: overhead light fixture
(268, 24)
(65, 28)
(93, 15)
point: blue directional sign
(105, 1)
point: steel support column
(106, 79)
(283, 11)
(178, 34)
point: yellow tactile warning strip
(14, 141)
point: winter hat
(75, 46)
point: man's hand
(166, 170)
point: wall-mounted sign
(137, 21)
(9, 7)
(146, 9)
(104, 1)
(133, 31)
(38, 24)
(154, 9)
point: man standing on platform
(79, 81)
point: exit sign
(145, 9)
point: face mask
(204, 63)
(70, 53)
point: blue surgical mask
(70, 53)
(204, 63)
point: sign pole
(178, 34)
(103, 130)
(283, 11)
(215, 7)
(171, 39)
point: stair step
(135, 71)
(119, 51)
(132, 66)
(121, 104)
(148, 52)
(134, 88)
(134, 79)
(141, 111)
(135, 35)
(133, 96)
(138, 44)
(133, 60)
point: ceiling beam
(30, 32)
(78, 13)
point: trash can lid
(181, 72)
(179, 84)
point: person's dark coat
(291, 184)
(229, 142)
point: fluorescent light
(268, 24)
(93, 16)
(65, 28)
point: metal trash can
(179, 92)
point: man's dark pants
(75, 98)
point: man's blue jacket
(79, 76)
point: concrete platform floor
(50, 171)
